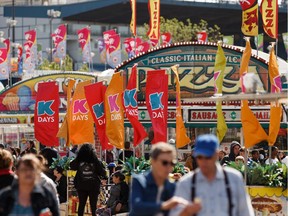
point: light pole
(52, 14)
(10, 22)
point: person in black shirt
(127, 153)
(61, 184)
(6, 164)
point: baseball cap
(206, 145)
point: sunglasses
(203, 158)
(166, 163)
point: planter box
(268, 200)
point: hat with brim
(206, 145)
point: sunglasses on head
(166, 163)
(203, 158)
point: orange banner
(114, 111)
(133, 17)
(154, 11)
(269, 11)
(250, 19)
(181, 137)
(81, 128)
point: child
(118, 199)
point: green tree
(184, 32)
(67, 65)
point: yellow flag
(275, 108)
(133, 17)
(64, 129)
(81, 128)
(250, 20)
(219, 68)
(114, 112)
(221, 123)
(252, 130)
(181, 137)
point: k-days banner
(157, 103)
(46, 114)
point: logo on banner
(129, 98)
(156, 105)
(114, 108)
(80, 107)
(98, 110)
(44, 108)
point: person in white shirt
(274, 153)
(212, 189)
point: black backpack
(86, 172)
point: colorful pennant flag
(249, 17)
(228, 39)
(275, 108)
(259, 42)
(46, 114)
(114, 111)
(269, 11)
(219, 69)
(128, 47)
(143, 47)
(131, 107)
(59, 39)
(65, 127)
(84, 41)
(113, 47)
(157, 103)
(154, 11)
(133, 22)
(4, 65)
(30, 47)
(252, 130)
(81, 128)
(202, 36)
(96, 107)
(166, 38)
(181, 136)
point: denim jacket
(144, 192)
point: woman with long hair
(87, 180)
(27, 196)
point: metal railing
(282, 3)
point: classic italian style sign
(196, 71)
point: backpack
(86, 172)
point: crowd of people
(29, 186)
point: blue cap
(206, 145)
(111, 164)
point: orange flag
(181, 137)
(114, 111)
(252, 130)
(81, 128)
(133, 18)
(64, 129)
(275, 108)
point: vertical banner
(133, 22)
(275, 108)
(114, 50)
(249, 17)
(114, 111)
(154, 31)
(252, 130)
(84, 41)
(259, 42)
(64, 129)
(81, 128)
(4, 65)
(228, 39)
(219, 69)
(30, 47)
(59, 39)
(131, 107)
(20, 60)
(143, 47)
(157, 103)
(95, 94)
(181, 136)
(101, 49)
(269, 11)
(46, 114)
(285, 41)
(166, 38)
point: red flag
(96, 107)
(202, 36)
(131, 107)
(106, 36)
(59, 39)
(269, 11)
(166, 38)
(46, 114)
(4, 65)
(154, 11)
(84, 41)
(143, 47)
(127, 45)
(157, 103)
(114, 43)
